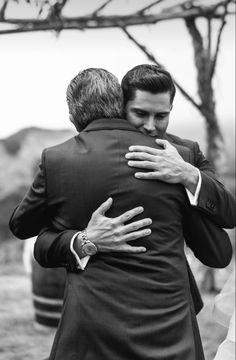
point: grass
(21, 340)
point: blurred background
(43, 45)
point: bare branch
(149, 6)
(153, 59)
(209, 30)
(195, 34)
(3, 9)
(101, 7)
(214, 60)
(55, 20)
(56, 9)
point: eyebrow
(146, 111)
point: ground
(22, 340)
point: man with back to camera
(150, 83)
(57, 209)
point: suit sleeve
(52, 249)
(214, 199)
(31, 215)
(209, 243)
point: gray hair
(94, 94)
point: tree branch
(195, 34)
(153, 59)
(214, 60)
(209, 31)
(56, 21)
(141, 11)
(3, 9)
(100, 8)
(56, 9)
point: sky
(35, 69)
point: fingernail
(148, 231)
(137, 175)
(127, 155)
(140, 208)
(130, 163)
(131, 148)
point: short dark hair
(146, 77)
(94, 94)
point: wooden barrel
(47, 291)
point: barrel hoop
(47, 314)
(47, 307)
(48, 301)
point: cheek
(162, 124)
(135, 121)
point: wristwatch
(88, 248)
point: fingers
(129, 214)
(104, 207)
(136, 235)
(136, 225)
(143, 165)
(131, 249)
(141, 156)
(145, 149)
(153, 175)
(163, 143)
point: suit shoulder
(59, 153)
(60, 148)
(179, 141)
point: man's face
(149, 112)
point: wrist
(78, 246)
(190, 178)
(88, 248)
(92, 235)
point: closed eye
(161, 116)
(140, 113)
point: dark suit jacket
(54, 200)
(209, 243)
(74, 179)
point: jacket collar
(122, 124)
(110, 124)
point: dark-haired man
(149, 92)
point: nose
(149, 125)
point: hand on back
(164, 164)
(112, 234)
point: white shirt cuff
(80, 263)
(193, 198)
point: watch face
(90, 248)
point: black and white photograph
(117, 180)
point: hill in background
(20, 155)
